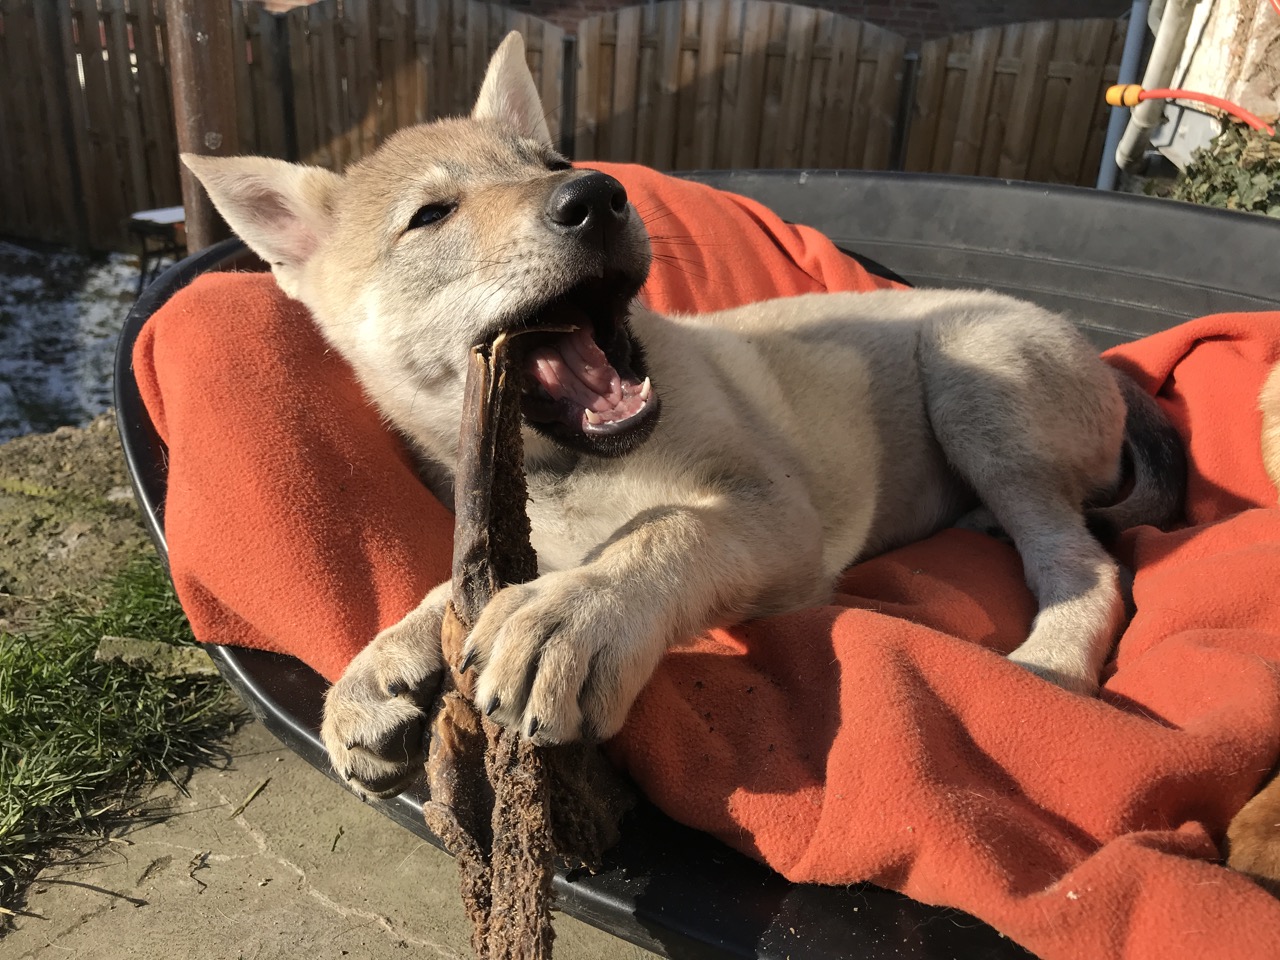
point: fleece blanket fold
(881, 737)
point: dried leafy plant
(1239, 170)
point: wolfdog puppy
(684, 471)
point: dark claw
(494, 704)
(350, 744)
(533, 726)
(468, 660)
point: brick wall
(915, 19)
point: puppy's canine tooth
(789, 438)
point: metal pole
(1134, 40)
(202, 75)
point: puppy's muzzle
(591, 209)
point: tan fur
(796, 436)
(1269, 404)
(1253, 839)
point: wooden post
(201, 48)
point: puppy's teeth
(593, 417)
(646, 388)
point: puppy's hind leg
(1033, 422)
(1075, 581)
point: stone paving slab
(305, 871)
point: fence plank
(108, 179)
(752, 70)
(588, 50)
(841, 108)
(1004, 78)
(728, 107)
(69, 22)
(953, 87)
(128, 126)
(246, 123)
(18, 129)
(971, 114)
(60, 159)
(800, 29)
(11, 218)
(686, 92)
(768, 150)
(42, 206)
(667, 82)
(331, 112)
(646, 85)
(271, 80)
(158, 127)
(626, 55)
(1027, 94)
(820, 66)
(931, 75)
(1092, 160)
(1088, 61)
(359, 71)
(885, 96)
(551, 75)
(709, 82)
(426, 68)
(300, 74)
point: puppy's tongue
(577, 375)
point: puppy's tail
(1155, 461)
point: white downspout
(1171, 37)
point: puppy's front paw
(563, 658)
(374, 715)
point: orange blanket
(877, 738)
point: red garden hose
(1131, 94)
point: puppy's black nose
(587, 205)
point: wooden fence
(1022, 101)
(87, 134)
(736, 83)
(86, 125)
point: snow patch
(60, 318)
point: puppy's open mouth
(584, 377)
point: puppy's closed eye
(431, 214)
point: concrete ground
(305, 871)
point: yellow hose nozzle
(1124, 94)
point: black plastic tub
(1123, 266)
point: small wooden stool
(167, 227)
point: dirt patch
(67, 517)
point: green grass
(77, 737)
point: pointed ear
(509, 94)
(281, 210)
